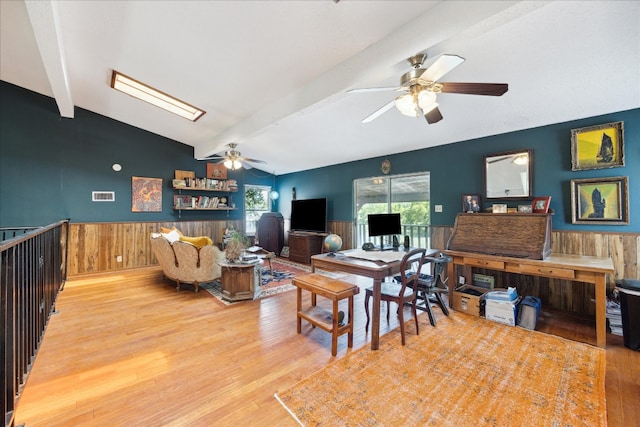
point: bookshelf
(202, 194)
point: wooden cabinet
(271, 232)
(303, 245)
(240, 281)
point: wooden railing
(32, 273)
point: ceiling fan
(232, 159)
(421, 86)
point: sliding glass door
(407, 195)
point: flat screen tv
(309, 215)
(384, 225)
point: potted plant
(235, 243)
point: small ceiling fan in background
(233, 159)
(421, 86)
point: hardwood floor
(126, 349)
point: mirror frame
(487, 179)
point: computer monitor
(384, 225)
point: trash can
(629, 291)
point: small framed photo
(597, 147)
(525, 208)
(216, 171)
(540, 204)
(471, 203)
(499, 208)
(600, 200)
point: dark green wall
(50, 165)
(457, 169)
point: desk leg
(601, 310)
(299, 306)
(451, 282)
(375, 327)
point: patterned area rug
(467, 371)
(271, 284)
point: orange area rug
(467, 371)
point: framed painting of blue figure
(600, 200)
(597, 147)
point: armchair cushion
(198, 242)
(172, 236)
(166, 230)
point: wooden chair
(404, 292)
(431, 286)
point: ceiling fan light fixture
(407, 105)
(427, 100)
(155, 97)
(232, 164)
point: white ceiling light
(417, 103)
(153, 96)
(232, 164)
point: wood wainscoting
(95, 247)
(565, 295)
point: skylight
(153, 96)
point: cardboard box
(505, 312)
(469, 299)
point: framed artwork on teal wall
(597, 147)
(146, 194)
(600, 200)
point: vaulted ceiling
(272, 76)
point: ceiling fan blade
(246, 159)
(211, 158)
(245, 164)
(375, 89)
(433, 116)
(441, 66)
(380, 111)
(491, 89)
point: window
(407, 195)
(256, 202)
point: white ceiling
(272, 75)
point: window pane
(405, 194)
(256, 202)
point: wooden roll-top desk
(521, 243)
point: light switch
(438, 208)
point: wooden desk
(577, 268)
(373, 269)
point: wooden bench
(334, 290)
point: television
(384, 225)
(309, 215)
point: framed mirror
(508, 175)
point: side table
(240, 281)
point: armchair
(184, 262)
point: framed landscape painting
(600, 200)
(597, 147)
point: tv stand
(303, 245)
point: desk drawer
(483, 263)
(560, 273)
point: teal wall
(49, 166)
(457, 169)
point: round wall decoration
(386, 166)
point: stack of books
(614, 317)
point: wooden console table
(577, 268)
